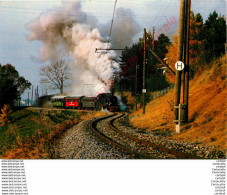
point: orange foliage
(5, 117)
(172, 58)
(38, 146)
(207, 110)
(195, 49)
(42, 146)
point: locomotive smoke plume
(125, 28)
(69, 33)
(66, 32)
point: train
(102, 101)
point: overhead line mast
(179, 58)
(111, 27)
(144, 71)
(181, 110)
(186, 73)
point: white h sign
(144, 90)
(179, 66)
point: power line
(91, 14)
(157, 14)
(163, 13)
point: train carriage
(89, 103)
(73, 102)
(58, 101)
(105, 101)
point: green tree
(133, 56)
(129, 59)
(12, 85)
(162, 43)
(214, 36)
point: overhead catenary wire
(163, 15)
(144, 17)
(90, 14)
(156, 15)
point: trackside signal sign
(179, 66)
(144, 90)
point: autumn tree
(12, 85)
(206, 42)
(56, 74)
(172, 58)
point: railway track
(106, 131)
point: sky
(24, 55)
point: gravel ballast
(80, 143)
(198, 150)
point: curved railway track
(133, 145)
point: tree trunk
(61, 89)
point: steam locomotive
(102, 101)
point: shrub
(5, 117)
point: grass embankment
(33, 133)
(207, 110)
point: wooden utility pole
(32, 96)
(179, 58)
(37, 92)
(28, 98)
(186, 72)
(153, 39)
(37, 95)
(136, 84)
(144, 70)
(184, 46)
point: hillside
(207, 110)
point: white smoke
(66, 32)
(125, 28)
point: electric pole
(28, 98)
(184, 46)
(37, 95)
(32, 96)
(136, 84)
(144, 70)
(186, 72)
(179, 58)
(153, 38)
(37, 92)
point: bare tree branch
(55, 74)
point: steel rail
(110, 141)
(178, 154)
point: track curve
(142, 149)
